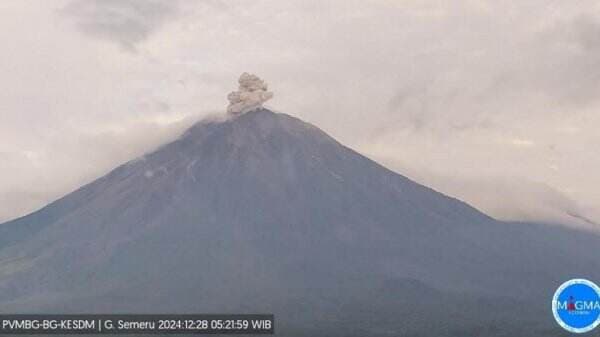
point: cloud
(518, 142)
(515, 199)
(251, 94)
(38, 177)
(508, 198)
(125, 22)
(427, 84)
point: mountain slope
(265, 213)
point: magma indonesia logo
(576, 305)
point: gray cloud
(478, 66)
(251, 94)
(468, 89)
(512, 199)
(126, 22)
(42, 175)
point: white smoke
(251, 94)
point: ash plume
(251, 94)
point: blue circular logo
(576, 305)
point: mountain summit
(263, 212)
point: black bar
(138, 324)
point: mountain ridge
(199, 127)
(264, 212)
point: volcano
(264, 213)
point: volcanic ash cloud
(251, 94)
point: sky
(494, 102)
